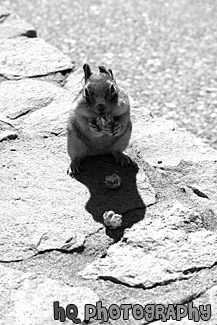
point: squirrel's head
(100, 90)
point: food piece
(105, 120)
(113, 181)
(112, 219)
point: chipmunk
(99, 121)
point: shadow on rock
(125, 201)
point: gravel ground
(164, 51)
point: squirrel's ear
(87, 71)
(111, 73)
(102, 69)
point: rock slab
(29, 57)
(35, 107)
(27, 298)
(158, 250)
(11, 26)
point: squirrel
(99, 122)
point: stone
(8, 135)
(160, 140)
(11, 26)
(18, 98)
(209, 297)
(198, 180)
(36, 107)
(42, 209)
(28, 298)
(75, 82)
(145, 189)
(199, 176)
(4, 13)
(5, 123)
(29, 57)
(158, 250)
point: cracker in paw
(108, 125)
(105, 122)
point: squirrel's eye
(112, 89)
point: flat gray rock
(4, 13)
(208, 298)
(27, 298)
(158, 250)
(8, 135)
(11, 26)
(75, 82)
(145, 189)
(41, 207)
(29, 57)
(160, 143)
(198, 176)
(198, 180)
(35, 107)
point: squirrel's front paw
(113, 129)
(94, 127)
(116, 128)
